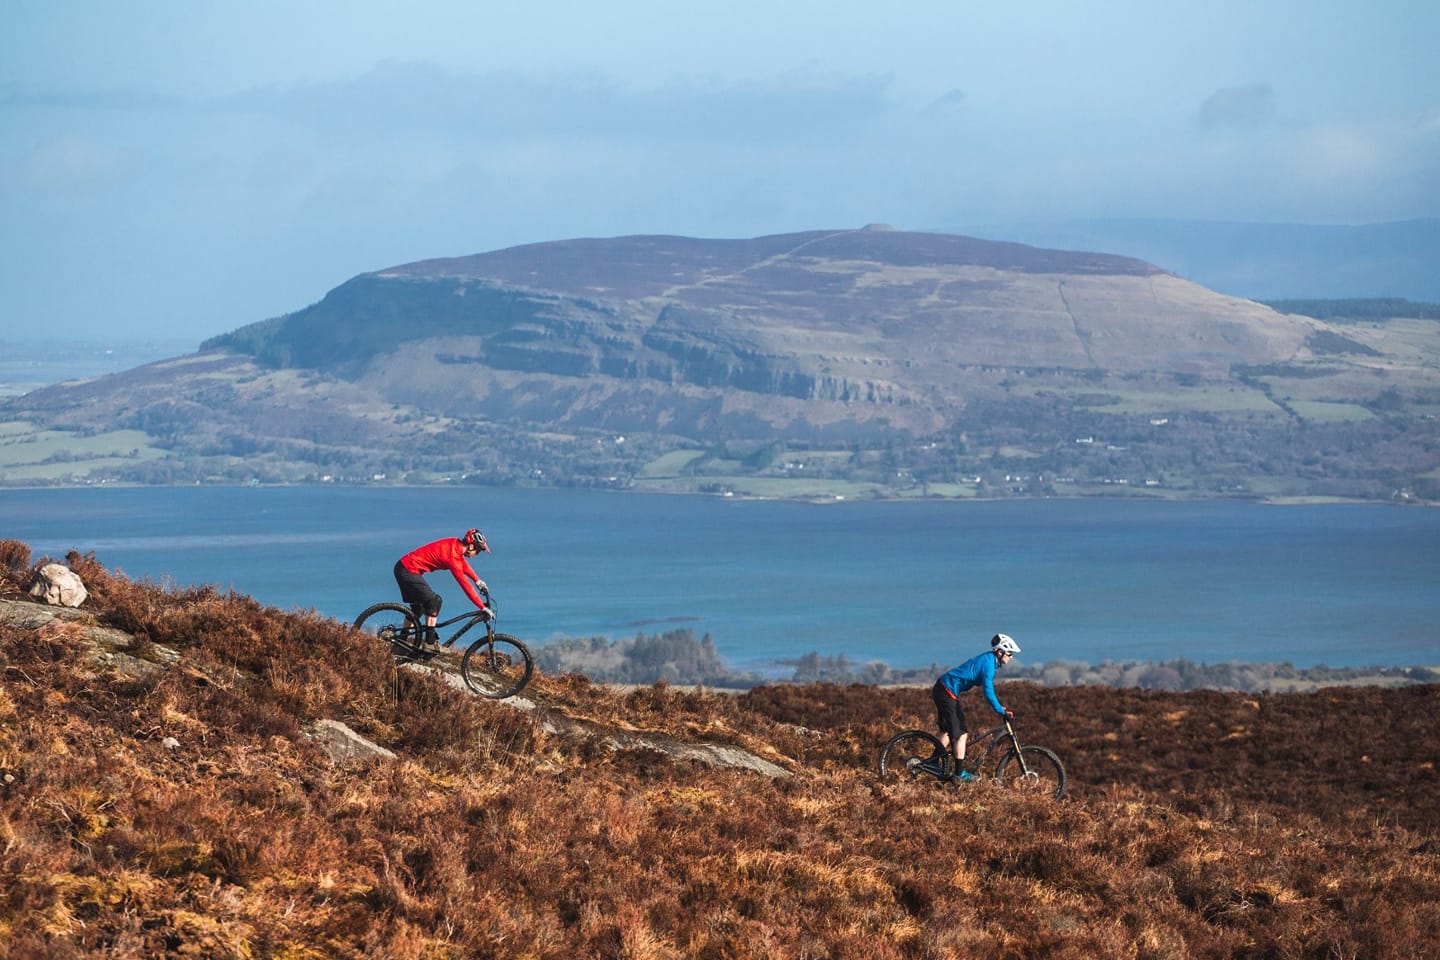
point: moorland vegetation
(164, 800)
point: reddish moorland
(167, 801)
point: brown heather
(1196, 825)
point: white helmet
(1001, 642)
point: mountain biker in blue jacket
(979, 671)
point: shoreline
(1291, 501)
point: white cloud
(73, 164)
(1246, 106)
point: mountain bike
(496, 665)
(916, 755)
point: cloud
(423, 97)
(1247, 106)
(68, 164)
(1388, 157)
(951, 100)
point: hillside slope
(179, 809)
(854, 362)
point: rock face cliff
(844, 333)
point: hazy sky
(178, 169)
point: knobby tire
(497, 666)
(903, 753)
(393, 623)
(1047, 773)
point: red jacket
(447, 554)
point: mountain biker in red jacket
(450, 553)
(979, 671)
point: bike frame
(997, 737)
(472, 616)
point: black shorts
(949, 715)
(416, 592)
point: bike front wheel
(914, 755)
(393, 623)
(497, 666)
(1033, 770)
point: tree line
(1377, 308)
(678, 657)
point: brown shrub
(14, 564)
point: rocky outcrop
(556, 723)
(344, 745)
(24, 615)
(58, 585)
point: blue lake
(908, 583)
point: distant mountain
(1261, 261)
(839, 334)
(867, 362)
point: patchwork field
(31, 453)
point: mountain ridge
(902, 363)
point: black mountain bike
(496, 665)
(918, 755)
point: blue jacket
(979, 670)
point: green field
(1322, 411)
(28, 454)
(670, 464)
(1205, 398)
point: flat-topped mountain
(838, 334)
(833, 342)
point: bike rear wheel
(1035, 770)
(914, 755)
(393, 623)
(497, 666)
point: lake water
(908, 583)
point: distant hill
(839, 334)
(868, 362)
(1262, 261)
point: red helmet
(474, 538)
